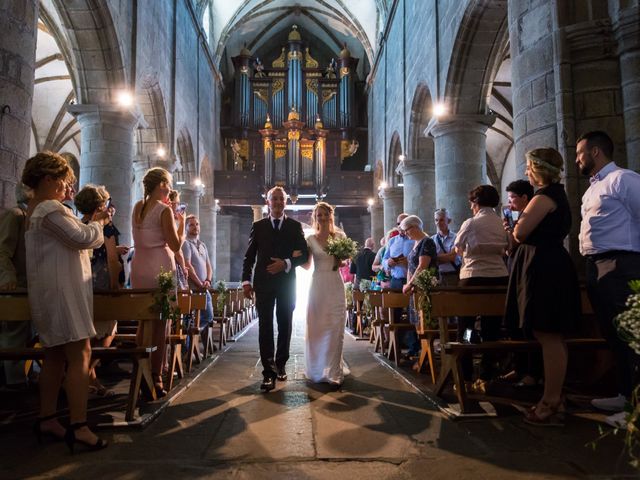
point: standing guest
(444, 238)
(421, 257)
(543, 298)
(156, 238)
(361, 266)
(61, 296)
(382, 275)
(105, 266)
(69, 195)
(182, 273)
(395, 256)
(482, 243)
(196, 257)
(610, 241)
(345, 271)
(13, 274)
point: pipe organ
(294, 118)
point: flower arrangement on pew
(424, 282)
(166, 299)
(223, 292)
(348, 294)
(365, 286)
(628, 325)
(341, 248)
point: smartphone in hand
(181, 208)
(508, 216)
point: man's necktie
(276, 223)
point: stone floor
(376, 426)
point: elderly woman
(422, 256)
(61, 295)
(543, 296)
(482, 243)
(105, 264)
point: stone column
(532, 78)
(18, 24)
(392, 205)
(208, 232)
(460, 157)
(257, 212)
(223, 247)
(627, 32)
(106, 133)
(377, 222)
(419, 190)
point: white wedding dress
(325, 320)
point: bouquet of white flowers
(341, 248)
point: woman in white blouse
(61, 296)
(482, 243)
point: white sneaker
(611, 404)
(617, 420)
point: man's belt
(610, 254)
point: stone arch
(96, 52)
(186, 170)
(150, 99)
(206, 175)
(476, 56)
(420, 144)
(393, 177)
(74, 163)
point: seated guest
(482, 242)
(13, 274)
(543, 296)
(61, 296)
(422, 256)
(105, 264)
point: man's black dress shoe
(268, 384)
(282, 375)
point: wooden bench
(478, 301)
(107, 306)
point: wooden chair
(177, 338)
(391, 302)
(220, 321)
(358, 302)
(377, 322)
(199, 303)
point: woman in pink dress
(156, 238)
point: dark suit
(361, 265)
(279, 289)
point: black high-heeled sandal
(70, 439)
(40, 434)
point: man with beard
(610, 241)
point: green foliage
(424, 282)
(223, 293)
(165, 298)
(348, 294)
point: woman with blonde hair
(61, 296)
(156, 239)
(543, 298)
(326, 305)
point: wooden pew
(474, 301)
(118, 305)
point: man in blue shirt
(445, 239)
(610, 240)
(395, 257)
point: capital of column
(390, 193)
(257, 212)
(89, 114)
(460, 123)
(413, 166)
(626, 29)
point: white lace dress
(325, 320)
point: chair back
(392, 301)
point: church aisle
(376, 425)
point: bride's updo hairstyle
(314, 216)
(545, 165)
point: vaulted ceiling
(333, 23)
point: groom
(273, 240)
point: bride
(326, 307)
